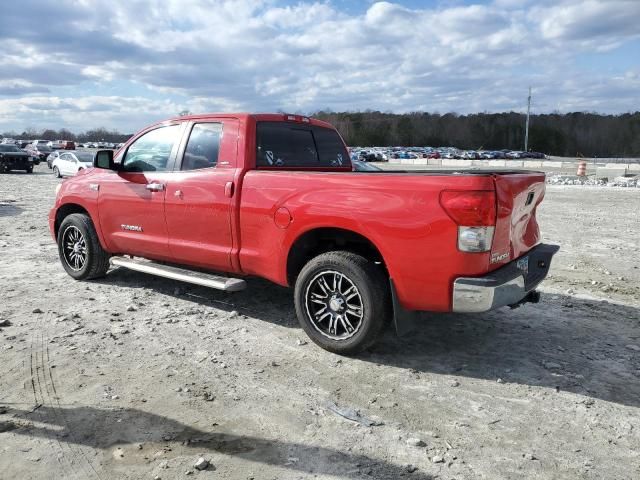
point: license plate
(523, 264)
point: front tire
(342, 301)
(56, 172)
(29, 169)
(81, 254)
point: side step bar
(184, 275)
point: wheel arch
(316, 241)
(67, 209)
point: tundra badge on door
(133, 228)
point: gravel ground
(136, 377)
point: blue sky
(122, 64)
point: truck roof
(258, 117)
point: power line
(526, 126)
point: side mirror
(104, 159)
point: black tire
(373, 296)
(29, 169)
(3, 168)
(56, 172)
(96, 260)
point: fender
(82, 196)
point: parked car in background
(13, 158)
(52, 156)
(70, 163)
(39, 150)
(8, 141)
(64, 145)
(360, 166)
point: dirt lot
(135, 377)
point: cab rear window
(290, 145)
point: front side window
(151, 152)
(203, 146)
(283, 144)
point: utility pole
(526, 126)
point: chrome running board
(182, 274)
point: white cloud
(267, 55)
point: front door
(131, 201)
(200, 194)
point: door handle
(228, 189)
(155, 187)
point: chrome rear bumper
(508, 285)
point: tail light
(474, 212)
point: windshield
(85, 157)
(8, 148)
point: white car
(70, 163)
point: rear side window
(287, 145)
(203, 146)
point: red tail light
(472, 208)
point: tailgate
(517, 197)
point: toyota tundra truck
(214, 199)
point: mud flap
(403, 320)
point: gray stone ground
(135, 377)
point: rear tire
(56, 172)
(29, 169)
(81, 254)
(342, 301)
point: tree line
(569, 134)
(94, 135)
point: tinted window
(282, 144)
(151, 152)
(8, 148)
(330, 147)
(203, 146)
(85, 156)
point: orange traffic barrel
(582, 168)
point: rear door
(200, 193)
(65, 162)
(517, 196)
(131, 201)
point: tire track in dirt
(39, 401)
(58, 406)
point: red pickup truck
(276, 196)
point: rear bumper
(508, 285)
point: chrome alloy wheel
(74, 248)
(334, 305)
